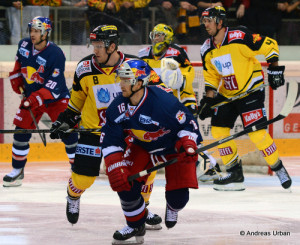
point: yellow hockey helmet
(167, 32)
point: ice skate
(129, 235)
(14, 178)
(233, 181)
(153, 221)
(73, 206)
(283, 176)
(171, 216)
(211, 174)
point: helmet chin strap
(41, 40)
(108, 55)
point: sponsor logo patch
(83, 67)
(88, 150)
(24, 52)
(252, 116)
(234, 35)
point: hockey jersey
(43, 69)
(186, 93)
(94, 88)
(156, 123)
(231, 68)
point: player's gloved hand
(204, 107)
(187, 147)
(36, 99)
(16, 81)
(117, 172)
(276, 76)
(66, 120)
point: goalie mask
(108, 34)
(135, 70)
(217, 13)
(164, 30)
(41, 23)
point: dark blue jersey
(43, 69)
(156, 123)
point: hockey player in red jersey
(39, 71)
(162, 129)
(230, 68)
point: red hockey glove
(37, 98)
(187, 147)
(16, 81)
(117, 172)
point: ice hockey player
(163, 129)
(39, 71)
(230, 68)
(172, 64)
(94, 88)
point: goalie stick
(287, 108)
(30, 131)
(26, 103)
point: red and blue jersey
(43, 69)
(155, 124)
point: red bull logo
(147, 136)
(140, 73)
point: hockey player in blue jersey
(162, 129)
(39, 72)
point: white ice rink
(34, 214)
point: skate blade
(134, 240)
(15, 183)
(153, 227)
(230, 187)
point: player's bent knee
(82, 182)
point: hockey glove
(36, 99)
(276, 76)
(204, 108)
(187, 147)
(66, 120)
(16, 81)
(117, 172)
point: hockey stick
(228, 100)
(42, 135)
(43, 131)
(287, 108)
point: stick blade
(291, 99)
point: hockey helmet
(217, 13)
(167, 32)
(41, 23)
(106, 33)
(135, 70)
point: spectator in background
(264, 17)
(189, 29)
(167, 11)
(4, 34)
(240, 5)
(76, 27)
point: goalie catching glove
(187, 147)
(275, 76)
(170, 73)
(117, 172)
(65, 121)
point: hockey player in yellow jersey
(230, 68)
(94, 88)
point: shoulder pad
(205, 46)
(144, 52)
(84, 66)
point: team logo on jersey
(147, 136)
(172, 52)
(88, 150)
(41, 61)
(253, 116)
(31, 75)
(83, 67)
(234, 35)
(103, 95)
(24, 52)
(55, 72)
(256, 37)
(181, 117)
(147, 120)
